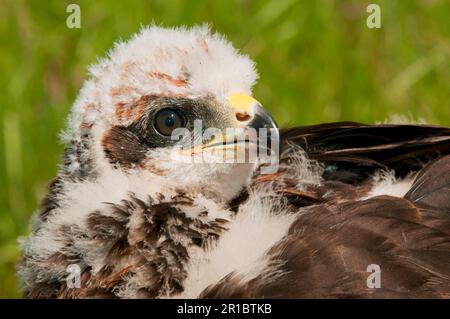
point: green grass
(317, 59)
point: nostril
(242, 117)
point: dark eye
(167, 120)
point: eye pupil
(167, 120)
(170, 121)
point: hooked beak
(264, 120)
(255, 125)
(249, 114)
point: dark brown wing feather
(352, 151)
(432, 186)
(329, 247)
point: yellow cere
(242, 103)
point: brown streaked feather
(123, 146)
(177, 81)
(84, 171)
(155, 248)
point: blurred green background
(317, 59)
